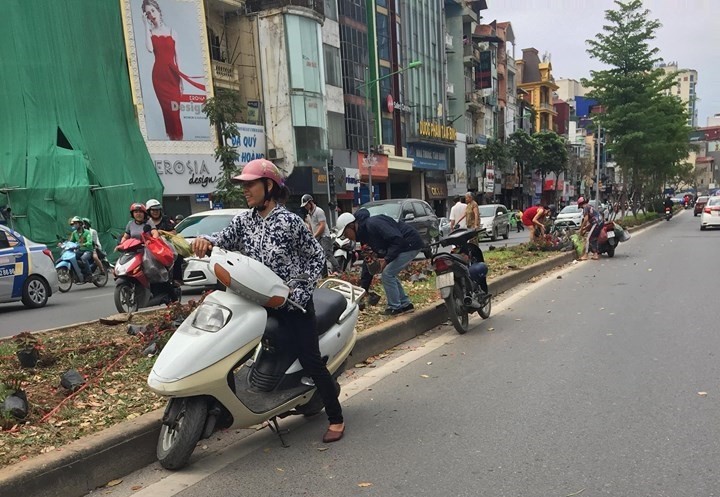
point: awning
(436, 190)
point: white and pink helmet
(260, 168)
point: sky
(689, 35)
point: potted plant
(28, 349)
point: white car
(569, 217)
(197, 272)
(495, 220)
(27, 270)
(710, 215)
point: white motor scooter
(344, 252)
(226, 366)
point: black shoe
(408, 308)
(392, 312)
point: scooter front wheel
(64, 279)
(457, 310)
(126, 297)
(176, 443)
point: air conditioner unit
(275, 154)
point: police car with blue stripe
(27, 270)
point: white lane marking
(175, 483)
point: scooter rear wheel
(64, 279)
(457, 310)
(484, 311)
(100, 277)
(176, 445)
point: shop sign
(392, 105)
(436, 190)
(489, 185)
(249, 143)
(438, 131)
(253, 111)
(379, 166)
(187, 174)
(352, 179)
(428, 158)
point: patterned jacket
(281, 241)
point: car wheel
(506, 235)
(36, 292)
(494, 235)
(702, 228)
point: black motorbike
(461, 293)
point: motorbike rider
(399, 242)
(318, 226)
(668, 203)
(592, 224)
(85, 247)
(278, 238)
(136, 227)
(97, 247)
(160, 221)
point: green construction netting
(69, 141)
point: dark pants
(595, 230)
(303, 337)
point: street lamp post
(368, 154)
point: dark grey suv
(415, 212)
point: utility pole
(368, 159)
(597, 182)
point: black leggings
(304, 340)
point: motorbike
(228, 364)
(611, 235)
(345, 252)
(134, 287)
(462, 295)
(668, 213)
(67, 275)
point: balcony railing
(547, 106)
(253, 6)
(225, 73)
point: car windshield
(390, 209)
(487, 211)
(570, 209)
(713, 201)
(702, 199)
(194, 226)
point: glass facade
(354, 53)
(306, 87)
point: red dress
(166, 82)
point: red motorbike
(607, 240)
(134, 288)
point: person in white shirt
(317, 222)
(457, 214)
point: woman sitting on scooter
(160, 221)
(136, 227)
(273, 235)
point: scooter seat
(329, 306)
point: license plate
(611, 234)
(444, 280)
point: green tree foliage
(552, 154)
(647, 129)
(523, 148)
(223, 110)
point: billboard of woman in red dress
(168, 45)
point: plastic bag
(181, 246)
(160, 250)
(579, 243)
(154, 270)
(621, 233)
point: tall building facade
(685, 89)
(539, 84)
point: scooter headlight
(211, 317)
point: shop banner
(187, 174)
(169, 67)
(249, 144)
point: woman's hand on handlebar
(201, 247)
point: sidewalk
(92, 461)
